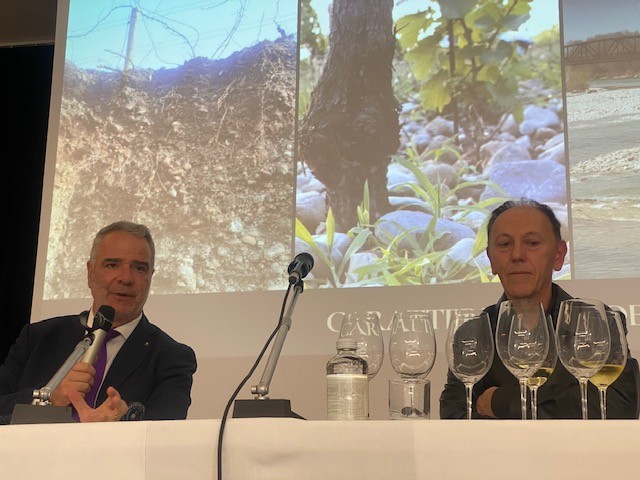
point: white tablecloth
(296, 449)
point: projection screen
(213, 123)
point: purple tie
(100, 365)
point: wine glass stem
(523, 397)
(469, 389)
(583, 396)
(603, 402)
(534, 402)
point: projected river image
(604, 154)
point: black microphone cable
(246, 379)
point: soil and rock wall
(201, 154)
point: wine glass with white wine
(615, 362)
(522, 341)
(542, 374)
(583, 341)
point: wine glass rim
(461, 319)
(594, 301)
(521, 300)
(471, 315)
(596, 304)
(529, 302)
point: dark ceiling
(27, 22)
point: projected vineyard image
(375, 135)
(416, 120)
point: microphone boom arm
(262, 389)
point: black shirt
(559, 397)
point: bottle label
(347, 397)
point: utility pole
(128, 63)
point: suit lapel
(71, 335)
(133, 352)
(69, 341)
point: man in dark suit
(148, 374)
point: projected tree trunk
(351, 127)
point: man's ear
(89, 273)
(561, 252)
(493, 270)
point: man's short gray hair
(135, 229)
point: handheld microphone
(300, 267)
(102, 323)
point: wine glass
(412, 350)
(469, 350)
(583, 341)
(615, 362)
(412, 346)
(368, 335)
(541, 375)
(522, 341)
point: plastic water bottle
(347, 383)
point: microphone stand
(34, 413)
(262, 405)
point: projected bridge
(603, 50)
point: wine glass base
(409, 399)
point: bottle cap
(347, 343)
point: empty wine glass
(412, 346)
(412, 350)
(582, 341)
(469, 350)
(541, 375)
(615, 362)
(368, 335)
(522, 341)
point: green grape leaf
(455, 9)
(512, 22)
(501, 93)
(485, 17)
(521, 7)
(410, 27)
(498, 53)
(485, 22)
(434, 94)
(489, 74)
(423, 56)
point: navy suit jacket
(152, 372)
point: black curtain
(25, 88)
